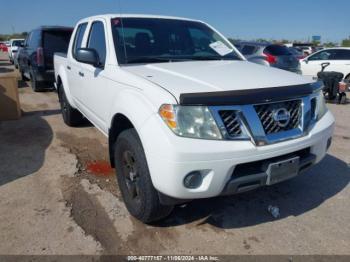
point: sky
(241, 19)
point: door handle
(69, 68)
(81, 74)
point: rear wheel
(70, 115)
(139, 194)
(24, 78)
(33, 81)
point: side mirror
(88, 56)
(306, 60)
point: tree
(262, 40)
(330, 44)
(346, 42)
(233, 40)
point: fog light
(193, 180)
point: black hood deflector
(249, 96)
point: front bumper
(175, 157)
(252, 175)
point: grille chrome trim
(231, 121)
(266, 115)
(253, 129)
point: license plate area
(282, 170)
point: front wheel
(140, 196)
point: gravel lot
(58, 196)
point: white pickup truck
(185, 114)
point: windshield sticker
(220, 48)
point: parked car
(306, 48)
(296, 52)
(15, 57)
(338, 59)
(3, 47)
(36, 58)
(185, 114)
(273, 55)
(14, 45)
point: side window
(97, 40)
(35, 38)
(26, 42)
(78, 39)
(323, 55)
(342, 54)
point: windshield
(294, 51)
(153, 40)
(277, 50)
(17, 42)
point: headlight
(321, 107)
(190, 121)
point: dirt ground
(59, 196)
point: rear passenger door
(341, 62)
(73, 66)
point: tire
(71, 116)
(33, 82)
(22, 74)
(140, 196)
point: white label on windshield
(220, 48)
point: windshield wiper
(203, 58)
(148, 59)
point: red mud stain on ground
(99, 168)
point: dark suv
(36, 57)
(273, 55)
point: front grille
(231, 121)
(266, 115)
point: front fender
(133, 104)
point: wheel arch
(119, 123)
(347, 76)
(61, 82)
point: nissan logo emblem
(281, 117)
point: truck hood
(214, 76)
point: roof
(338, 47)
(49, 27)
(110, 16)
